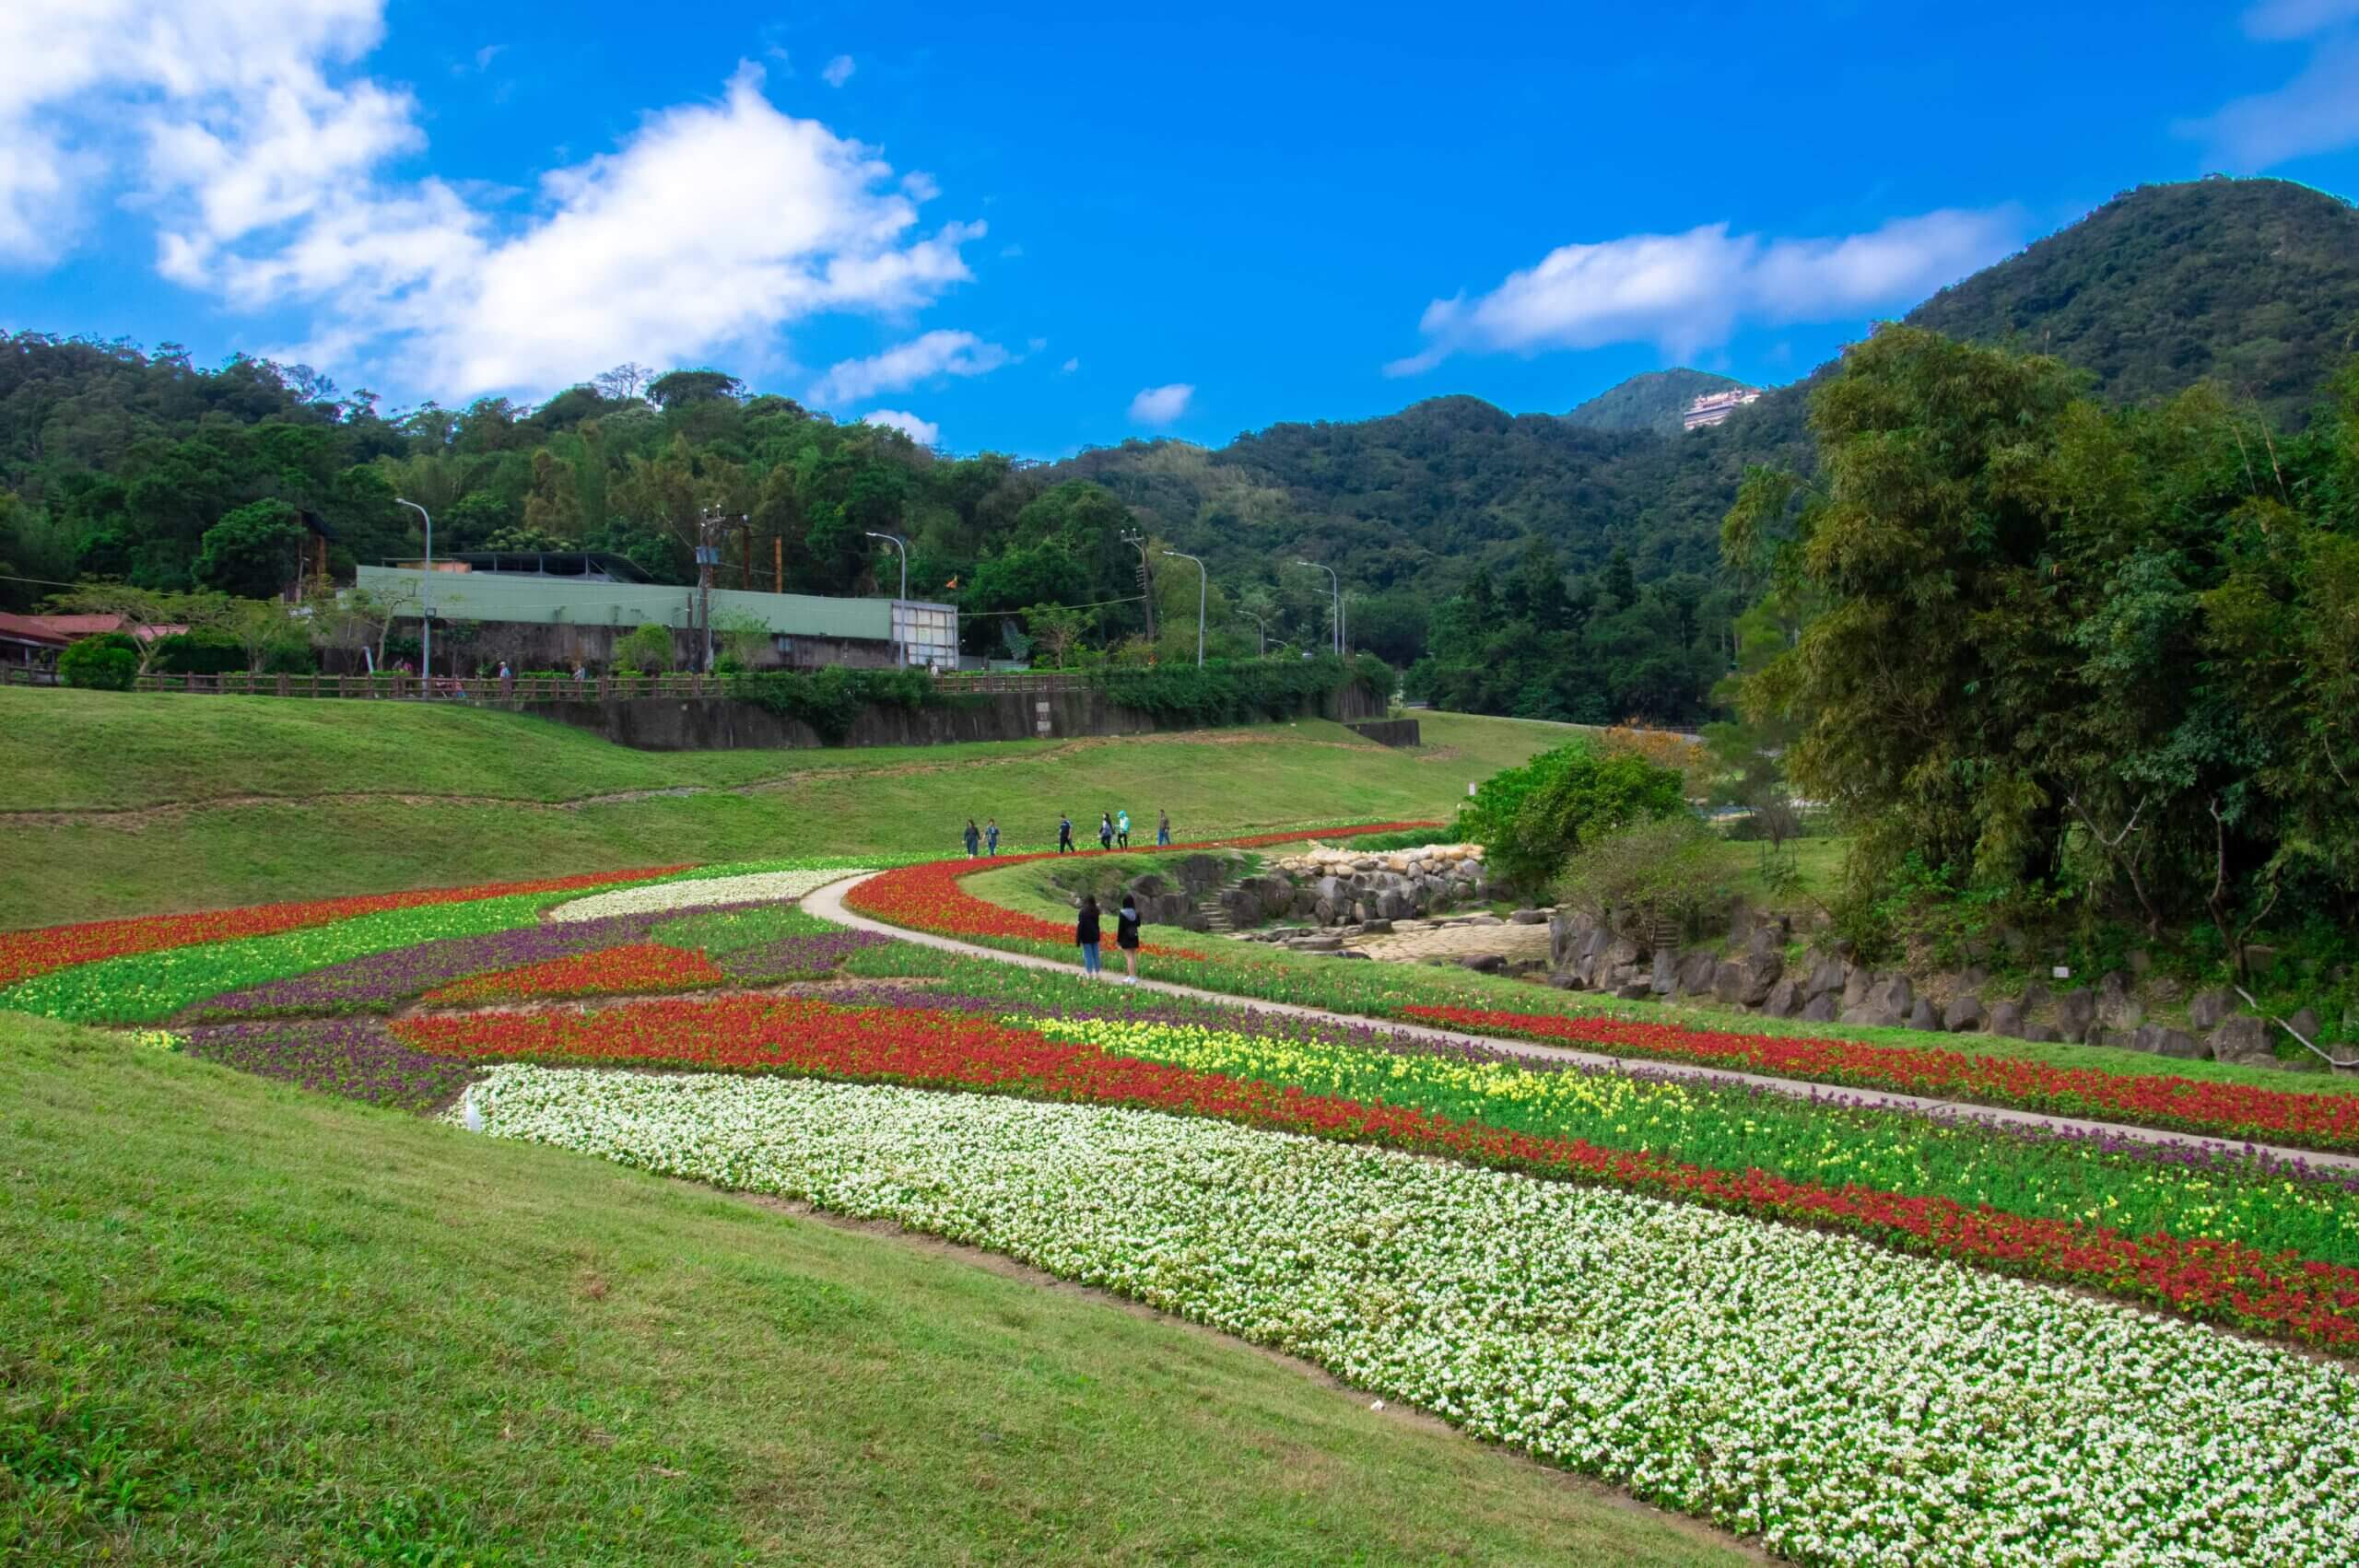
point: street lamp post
(902, 546)
(1203, 583)
(425, 598)
(1266, 631)
(1338, 585)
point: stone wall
(1757, 970)
(1346, 886)
(667, 724)
(1388, 732)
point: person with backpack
(973, 837)
(1123, 827)
(1105, 830)
(1126, 937)
(1064, 833)
(1162, 829)
(1084, 933)
(991, 836)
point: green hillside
(2251, 283)
(1653, 400)
(242, 1323)
(137, 804)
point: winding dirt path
(827, 903)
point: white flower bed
(1846, 1404)
(653, 897)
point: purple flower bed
(351, 1056)
(795, 957)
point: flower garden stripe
(2212, 1279)
(634, 967)
(350, 1057)
(927, 897)
(1842, 1403)
(2190, 1105)
(27, 953)
(1827, 1142)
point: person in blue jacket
(991, 836)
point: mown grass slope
(115, 804)
(242, 1324)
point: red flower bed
(928, 898)
(2318, 1302)
(2192, 1105)
(26, 954)
(608, 971)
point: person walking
(973, 837)
(1105, 830)
(1123, 827)
(1064, 833)
(1084, 933)
(1126, 937)
(1162, 829)
(991, 836)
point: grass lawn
(142, 804)
(239, 1323)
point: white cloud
(2278, 19)
(1688, 292)
(265, 156)
(2316, 112)
(224, 104)
(907, 364)
(1161, 405)
(488, 53)
(838, 71)
(1070, 366)
(925, 432)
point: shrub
(648, 647)
(205, 651)
(108, 662)
(1529, 819)
(1665, 868)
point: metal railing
(548, 688)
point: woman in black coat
(1084, 933)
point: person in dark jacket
(1162, 828)
(1084, 933)
(991, 836)
(1064, 834)
(1126, 937)
(1105, 830)
(974, 837)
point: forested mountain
(2253, 284)
(1652, 400)
(169, 476)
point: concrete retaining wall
(1388, 732)
(666, 724)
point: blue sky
(1043, 228)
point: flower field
(1692, 1288)
(27, 953)
(2189, 1104)
(1842, 1403)
(2201, 1274)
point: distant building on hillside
(1713, 407)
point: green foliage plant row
(1243, 691)
(832, 700)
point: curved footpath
(827, 903)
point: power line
(986, 614)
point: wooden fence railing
(548, 688)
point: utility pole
(706, 555)
(902, 546)
(1337, 621)
(425, 598)
(1146, 581)
(1204, 585)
